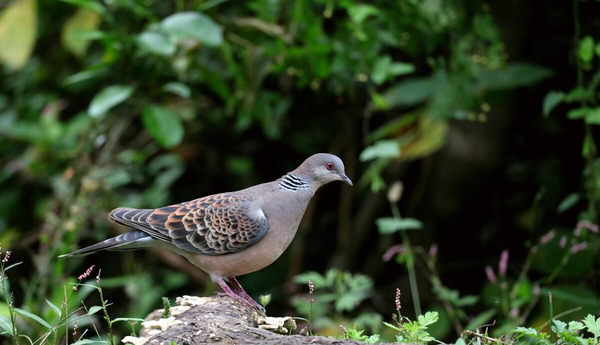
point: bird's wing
(212, 225)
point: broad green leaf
(568, 202)
(513, 76)
(593, 116)
(108, 98)
(579, 94)
(55, 308)
(93, 310)
(194, 26)
(408, 92)
(18, 30)
(5, 324)
(593, 325)
(384, 68)
(460, 341)
(359, 12)
(381, 149)
(552, 99)
(391, 225)
(92, 5)
(164, 125)
(180, 89)
(586, 49)
(83, 20)
(156, 43)
(33, 317)
(578, 113)
(429, 318)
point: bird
(228, 234)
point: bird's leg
(239, 290)
(234, 295)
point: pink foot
(235, 296)
(239, 290)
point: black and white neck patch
(293, 183)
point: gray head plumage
(323, 168)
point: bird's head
(324, 168)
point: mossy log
(220, 320)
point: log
(221, 320)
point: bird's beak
(345, 178)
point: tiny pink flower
(563, 241)
(433, 250)
(578, 247)
(586, 224)
(398, 302)
(392, 251)
(536, 290)
(547, 237)
(503, 263)
(343, 328)
(490, 275)
(514, 312)
(6, 256)
(86, 273)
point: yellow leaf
(82, 20)
(430, 137)
(18, 26)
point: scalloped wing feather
(212, 225)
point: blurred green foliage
(116, 102)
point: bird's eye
(329, 166)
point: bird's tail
(128, 241)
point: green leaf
(33, 317)
(164, 125)
(381, 149)
(460, 341)
(429, 318)
(593, 325)
(359, 12)
(194, 26)
(90, 342)
(5, 324)
(93, 310)
(83, 20)
(384, 68)
(91, 5)
(55, 308)
(108, 98)
(568, 202)
(593, 116)
(128, 319)
(408, 92)
(552, 99)
(180, 89)
(391, 225)
(513, 76)
(579, 94)
(578, 113)
(481, 319)
(586, 49)
(18, 27)
(13, 265)
(156, 43)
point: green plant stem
(104, 306)
(436, 280)
(9, 303)
(410, 264)
(559, 268)
(310, 317)
(551, 310)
